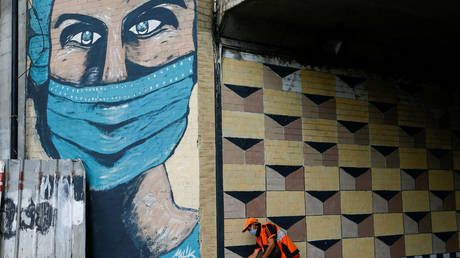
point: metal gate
(42, 208)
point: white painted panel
(9, 218)
(63, 235)
(46, 210)
(27, 232)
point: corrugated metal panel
(42, 208)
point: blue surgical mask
(123, 129)
(253, 232)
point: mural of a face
(114, 79)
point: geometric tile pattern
(346, 166)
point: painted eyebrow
(152, 4)
(78, 17)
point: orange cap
(249, 221)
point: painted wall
(114, 83)
(349, 167)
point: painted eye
(86, 38)
(145, 27)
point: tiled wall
(349, 167)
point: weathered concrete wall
(115, 84)
(347, 166)
(5, 77)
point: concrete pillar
(5, 77)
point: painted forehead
(113, 10)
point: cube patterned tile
(320, 154)
(350, 132)
(417, 222)
(389, 246)
(412, 137)
(322, 202)
(324, 248)
(351, 87)
(414, 179)
(278, 127)
(318, 106)
(242, 98)
(353, 178)
(293, 225)
(357, 225)
(383, 113)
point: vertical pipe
(219, 161)
(14, 80)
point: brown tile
(392, 160)
(295, 180)
(421, 182)
(256, 207)
(334, 251)
(364, 181)
(366, 227)
(395, 204)
(362, 136)
(271, 79)
(231, 100)
(449, 202)
(273, 130)
(398, 248)
(255, 154)
(452, 244)
(297, 231)
(327, 110)
(255, 102)
(331, 157)
(424, 225)
(232, 154)
(332, 205)
(293, 131)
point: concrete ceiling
(413, 39)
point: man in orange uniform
(273, 242)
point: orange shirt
(287, 247)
